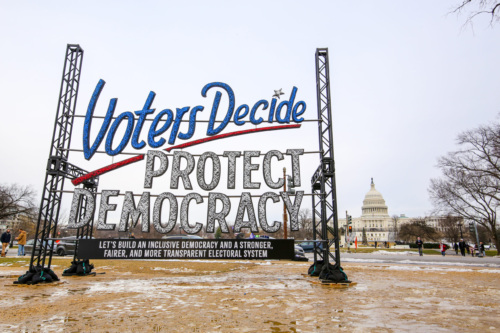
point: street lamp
(291, 191)
(285, 216)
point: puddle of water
(27, 298)
(80, 291)
(276, 326)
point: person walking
(420, 245)
(455, 247)
(442, 248)
(21, 241)
(472, 249)
(5, 241)
(481, 249)
(461, 246)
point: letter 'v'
(88, 151)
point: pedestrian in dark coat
(481, 249)
(5, 241)
(420, 245)
(462, 246)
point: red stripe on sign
(108, 168)
(221, 136)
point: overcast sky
(407, 77)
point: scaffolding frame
(324, 198)
(58, 167)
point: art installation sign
(183, 168)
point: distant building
(11, 221)
(14, 221)
(435, 222)
(374, 218)
(378, 224)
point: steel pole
(285, 216)
(480, 254)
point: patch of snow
(363, 260)
(447, 263)
(420, 263)
(440, 269)
(175, 270)
(399, 253)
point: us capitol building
(379, 226)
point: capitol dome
(374, 203)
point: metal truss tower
(324, 198)
(58, 167)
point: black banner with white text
(186, 249)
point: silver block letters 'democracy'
(135, 207)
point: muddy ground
(251, 296)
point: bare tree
(450, 226)
(470, 184)
(27, 222)
(473, 8)
(395, 227)
(16, 199)
(305, 225)
(417, 227)
(364, 239)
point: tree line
(449, 228)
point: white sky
(407, 77)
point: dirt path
(251, 296)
